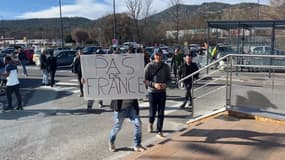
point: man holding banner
(118, 77)
(157, 77)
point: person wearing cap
(157, 78)
(187, 68)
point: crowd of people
(157, 77)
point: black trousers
(16, 90)
(157, 104)
(188, 95)
(175, 68)
(52, 74)
(79, 76)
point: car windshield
(225, 49)
(149, 50)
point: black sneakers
(183, 104)
(19, 108)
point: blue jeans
(23, 63)
(157, 104)
(119, 117)
(45, 76)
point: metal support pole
(207, 53)
(227, 84)
(114, 19)
(3, 31)
(272, 46)
(61, 25)
(231, 79)
(258, 10)
(192, 94)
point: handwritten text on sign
(113, 76)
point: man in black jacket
(186, 69)
(52, 63)
(23, 60)
(76, 68)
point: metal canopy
(247, 24)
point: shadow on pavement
(14, 114)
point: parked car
(149, 50)
(29, 54)
(224, 50)
(90, 49)
(64, 57)
(264, 50)
(8, 51)
(37, 54)
(194, 47)
(166, 51)
(164, 58)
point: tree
(80, 36)
(104, 30)
(139, 9)
(278, 6)
(68, 39)
(176, 15)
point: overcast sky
(92, 9)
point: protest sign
(113, 76)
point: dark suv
(91, 49)
(64, 57)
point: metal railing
(220, 73)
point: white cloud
(91, 9)
(94, 9)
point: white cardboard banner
(113, 76)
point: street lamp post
(258, 10)
(61, 25)
(114, 20)
(3, 31)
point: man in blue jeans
(157, 77)
(126, 108)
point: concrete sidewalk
(221, 137)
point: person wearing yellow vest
(214, 53)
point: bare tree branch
(139, 9)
